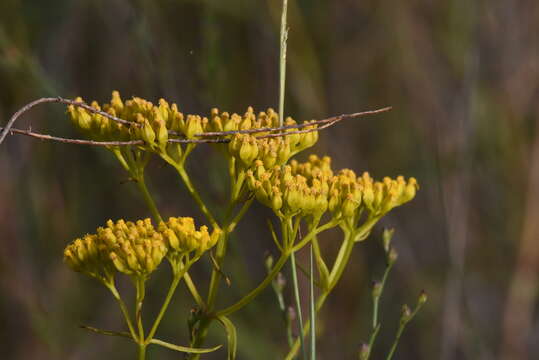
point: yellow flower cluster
(314, 168)
(272, 151)
(288, 194)
(247, 148)
(90, 256)
(182, 236)
(223, 121)
(151, 123)
(154, 124)
(311, 188)
(350, 194)
(135, 248)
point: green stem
(194, 193)
(377, 298)
(312, 233)
(295, 348)
(123, 307)
(142, 351)
(246, 205)
(338, 268)
(141, 291)
(220, 252)
(298, 302)
(250, 296)
(312, 308)
(176, 280)
(282, 61)
(194, 291)
(157, 216)
(141, 183)
(342, 259)
(396, 342)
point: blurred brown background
(462, 77)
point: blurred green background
(462, 77)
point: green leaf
(231, 336)
(106, 332)
(184, 349)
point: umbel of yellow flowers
(311, 189)
(154, 124)
(135, 248)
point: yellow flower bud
(147, 133)
(276, 202)
(410, 190)
(162, 135)
(193, 126)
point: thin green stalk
(220, 252)
(282, 307)
(342, 260)
(123, 307)
(295, 348)
(312, 308)
(234, 222)
(282, 61)
(157, 216)
(194, 194)
(141, 291)
(396, 342)
(338, 268)
(376, 301)
(250, 296)
(141, 183)
(193, 290)
(175, 281)
(298, 303)
(372, 339)
(312, 233)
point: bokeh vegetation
(461, 76)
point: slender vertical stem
(141, 290)
(396, 342)
(338, 268)
(193, 290)
(123, 307)
(220, 252)
(298, 302)
(175, 281)
(377, 298)
(195, 195)
(141, 183)
(312, 308)
(250, 296)
(142, 351)
(282, 61)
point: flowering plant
(260, 166)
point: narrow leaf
(231, 336)
(183, 349)
(106, 332)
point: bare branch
(141, 142)
(72, 141)
(286, 127)
(326, 123)
(30, 105)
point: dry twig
(8, 129)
